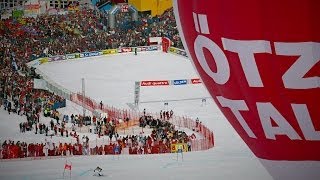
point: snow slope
(111, 79)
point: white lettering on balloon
(293, 78)
(246, 51)
(267, 112)
(223, 70)
(236, 106)
(305, 122)
(308, 56)
(309, 53)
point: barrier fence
(201, 143)
(204, 143)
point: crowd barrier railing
(204, 143)
(54, 87)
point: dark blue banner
(180, 82)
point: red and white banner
(195, 81)
(125, 49)
(155, 83)
(260, 62)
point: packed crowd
(163, 135)
(23, 40)
(80, 31)
(10, 149)
(135, 33)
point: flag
(67, 166)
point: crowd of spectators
(163, 135)
(23, 40)
(80, 31)
(10, 149)
(136, 33)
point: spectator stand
(66, 35)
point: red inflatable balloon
(260, 62)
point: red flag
(67, 166)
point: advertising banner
(173, 50)
(109, 51)
(175, 147)
(43, 60)
(95, 53)
(71, 56)
(57, 58)
(155, 83)
(180, 82)
(90, 54)
(148, 48)
(182, 52)
(195, 81)
(178, 51)
(125, 49)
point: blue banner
(90, 54)
(180, 82)
(148, 48)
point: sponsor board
(178, 51)
(155, 83)
(182, 53)
(109, 51)
(148, 48)
(57, 58)
(44, 60)
(90, 54)
(71, 56)
(125, 49)
(180, 82)
(179, 146)
(195, 81)
(139, 49)
(173, 50)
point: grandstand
(34, 34)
